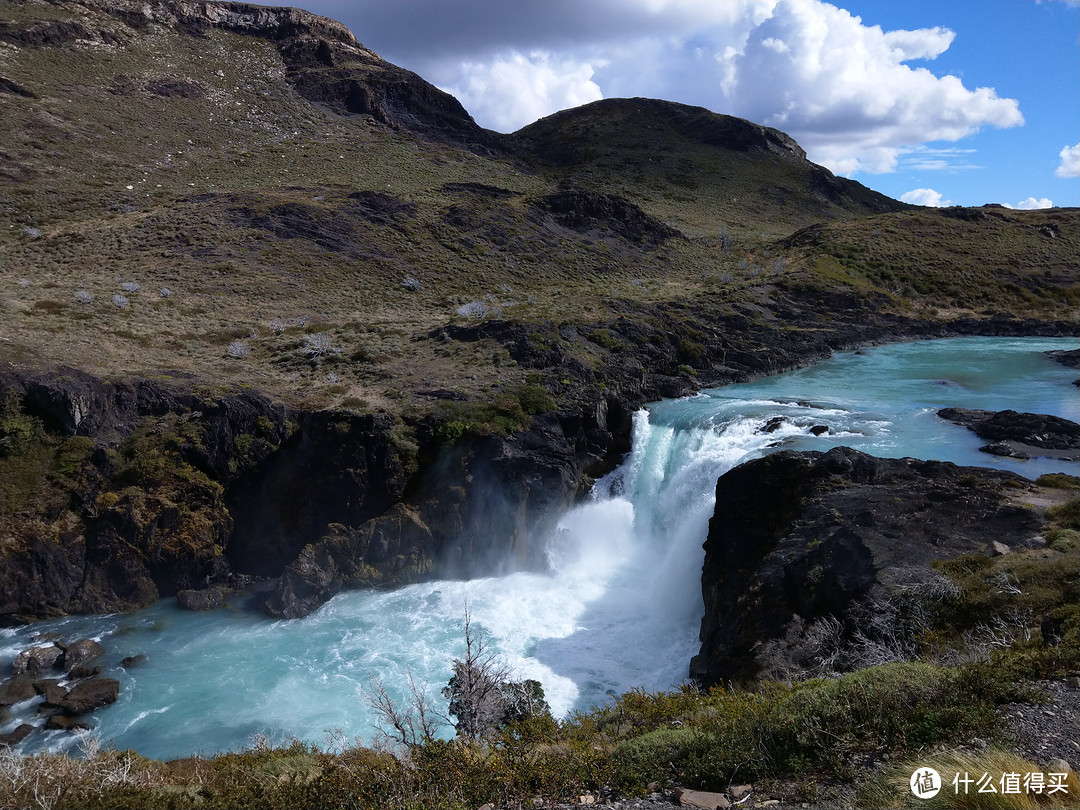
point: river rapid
(620, 606)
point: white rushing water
(621, 604)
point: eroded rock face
(796, 537)
(484, 506)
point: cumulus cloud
(925, 196)
(1031, 203)
(515, 88)
(844, 89)
(1070, 162)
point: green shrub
(1066, 515)
(1059, 481)
(1063, 540)
(605, 338)
(535, 399)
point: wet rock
(21, 732)
(80, 653)
(62, 722)
(133, 661)
(35, 660)
(85, 671)
(1067, 357)
(89, 695)
(212, 598)
(51, 690)
(819, 430)
(16, 690)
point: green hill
(281, 180)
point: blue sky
(937, 102)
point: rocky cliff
(804, 545)
(120, 492)
(323, 60)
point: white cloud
(924, 196)
(1070, 162)
(1031, 203)
(513, 87)
(937, 159)
(845, 90)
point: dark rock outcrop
(64, 722)
(482, 507)
(1020, 435)
(325, 64)
(796, 537)
(51, 691)
(86, 696)
(583, 210)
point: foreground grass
(820, 731)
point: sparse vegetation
(686, 737)
(263, 205)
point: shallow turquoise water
(621, 604)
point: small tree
(409, 723)
(475, 691)
(481, 695)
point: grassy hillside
(237, 181)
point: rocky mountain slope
(243, 254)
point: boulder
(739, 792)
(996, 549)
(35, 660)
(132, 661)
(1058, 765)
(62, 722)
(85, 671)
(51, 690)
(212, 598)
(16, 690)
(80, 653)
(702, 799)
(15, 737)
(89, 695)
